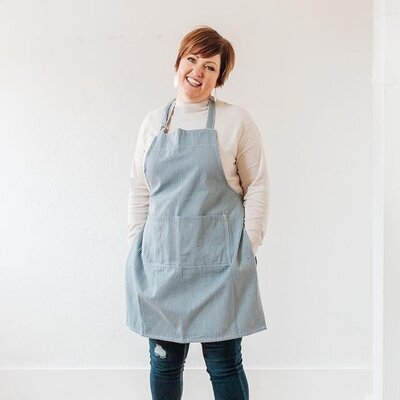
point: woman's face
(197, 77)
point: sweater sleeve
(252, 170)
(139, 194)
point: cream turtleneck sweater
(242, 157)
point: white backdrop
(77, 78)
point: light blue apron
(191, 274)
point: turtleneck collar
(191, 107)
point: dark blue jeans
(224, 365)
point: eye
(191, 59)
(210, 68)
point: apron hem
(197, 340)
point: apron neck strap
(211, 113)
(167, 112)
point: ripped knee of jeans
(160, 352)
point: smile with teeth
(193, 82)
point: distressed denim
(223, 361)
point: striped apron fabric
(191, 274)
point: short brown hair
(207, 42)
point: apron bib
(191, 273)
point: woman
(198, 171)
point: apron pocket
(186, 241)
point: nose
(198, 70)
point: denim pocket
(186, 241)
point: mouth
(193, 82)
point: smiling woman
(197, 77)
(206, 56)
(197, 214)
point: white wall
(76, 80)
(386, 355)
